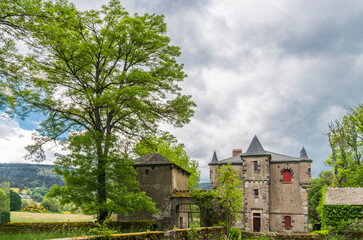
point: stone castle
(274, 188)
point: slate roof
(153, 159)
(233, 160)
(344, 196)
(256, 149)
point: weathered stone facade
(274, 188)
(159, 178)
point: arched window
(286, 176)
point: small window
(255, 166)
(256, 193)
(147, 171)
(309, 172)
(286, 176)
(288, 222)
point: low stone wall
(283, 236)
(20, 227)
(204, 233)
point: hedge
(336, 217)
(120, 226)
(5, 203)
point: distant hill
(23, 175)
(204, 186)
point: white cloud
(13, 141)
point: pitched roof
(233, 160)
(256, 149)
(344, 196)
(155, 159)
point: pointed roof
(303, 154)
(255, 148)
(214, 159)
(153, 159)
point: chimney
(236, 152)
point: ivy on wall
(338, 217)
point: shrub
(15, 201)
(34, 208)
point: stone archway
(180, 216)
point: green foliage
(346, 142)
(15, 201)
(228, 193)
(50, 204)
(337, 218)
(168, 146)
(235, 234)
(102, 229)
(103, 79)
(314, 193)
(123, 195)
(4, 202)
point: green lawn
(48, 217)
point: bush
(15, 201)
(234, 234)
(50, 204)
(34, 208)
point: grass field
(48, 217)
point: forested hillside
(22, 175)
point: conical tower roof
(215, 158)
(303, 154)
(255, 148)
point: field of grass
(39, 236)
(48, 217)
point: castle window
(147, 171)
(286, 176)
(309, 172)
(255, 166)
(288, 222)
(256, 193)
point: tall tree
(346, 143)
(103, 78)
(314, 194)
(229, 193)
(168, 146)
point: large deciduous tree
(346, 142)
(168, 146)
(102, 78)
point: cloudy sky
(281, 70)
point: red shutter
(286, 176)
(287, 222)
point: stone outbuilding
(274, 188)
(160, 178)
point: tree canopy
(168, 146)
(102, 78)
(346, 143)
